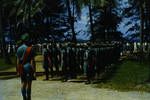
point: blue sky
(82, 25)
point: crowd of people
(70, 60)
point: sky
(82, 25)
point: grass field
(4, 66)
(12, 67)
(130, 75)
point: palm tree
(18, 11)
(73, 7)
(22, 11)
(2, 41)
(98, 4)
(142, 13)
(105, 25)
(141, 23)
(141, 8)
(51, 21)
(91, 19)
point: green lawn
(130, 75)
(12, 67)
(4, 66)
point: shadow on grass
(8, 77)
(109, 73)
(128, 76)
(5, 66)
(11, 75)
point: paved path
(56, 90)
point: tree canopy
(47, 20)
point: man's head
(25, 38)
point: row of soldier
(70, 60)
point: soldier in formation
(69, 60)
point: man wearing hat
(25, 68)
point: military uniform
(28, 69)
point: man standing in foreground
(25, 66)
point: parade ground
(57, 90)
(54, 89)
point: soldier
(85, 58)
(64, 63)
(25, 69)
(46, 62)
(50, 56)
(80, 59)
(55, 58)
(90, 70)
(72, 67)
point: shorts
(27, 73)
(26, 77)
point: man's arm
(17, 63)
(33, 60)
(33, 64)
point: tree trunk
(29, 16)
(141, 29)
(91, 20)
(71, 21)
